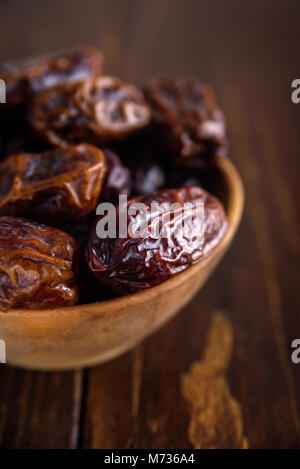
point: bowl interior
(222, 181)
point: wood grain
(216, 419)
(39, 410)
(249, 52)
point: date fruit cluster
(72, 138)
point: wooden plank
(39, 410)
(108, 422)
(272, 121)
(271, 368)
(34, 27)
(257, 136)
(115, 20)
(167, 38)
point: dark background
(250, 52)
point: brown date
(143, 260)
(25, 78)
(54, 187)
(37, 266)
(117, 179)
(98, 110)
(187, 119)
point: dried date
(37, 266)
(54, 187)
(25, 78)
(187, 119)
(100, 110)
(132, 263)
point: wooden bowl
(86, 335)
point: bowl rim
(233, 213)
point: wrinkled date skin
(24, 79)
(99, 110)
(117, 180)
(185, 113)
(37, 266)
(136, 262)
(54, 187)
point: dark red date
(187, 119)
(37, 266)
(54, 187)
(23, 79)
(136, 262)
(100, 110)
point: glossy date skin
(37, 266)
(186, 117)
(117, 179)
(54, 187)
(99, 110)
(134, 263)
(25, 78)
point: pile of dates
(79, 149)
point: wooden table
(151, 397)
